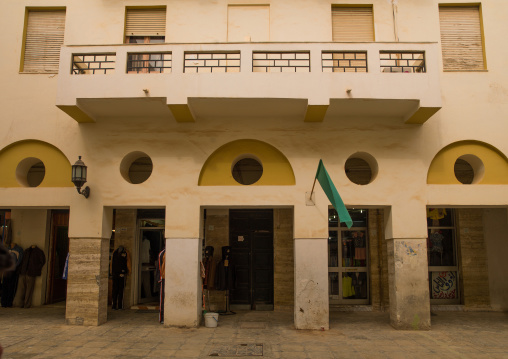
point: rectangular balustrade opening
(298, 61)
(92, 64)
(344, 61)
(208, 62)
(153, 62)
(402, 61)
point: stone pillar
(406, 233)
(183, 300)
(87, 283)
(311, 265)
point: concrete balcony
(311, 81)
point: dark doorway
(251, 241)
(59, 250)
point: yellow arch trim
(495, 162)
(57, 166)
(277, 170)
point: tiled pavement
(41, 333)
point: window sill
(37, 73)
(465, 70)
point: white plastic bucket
(211, 320)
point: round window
(361, 168)
(469, 169)
(247, 171)
(136, 167)
(30, 172)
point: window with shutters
(354, 24)
(461, 38)
(44, 36)
(145, 26)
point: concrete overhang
(312, 96)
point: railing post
(121, 60)
(373, 62)
(177, 59)
(315, 59)
(246, 59)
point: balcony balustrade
(344, 80)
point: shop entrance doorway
(59, 248)
(151, 244)
(251, 241)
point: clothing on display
(210, 269)
(354, 250)
(161, 269)
(436, 213)
(145, 251)
(354, 285)
(225, 273)
(10, 277)
(120, 268)
(30, 268)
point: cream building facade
(202, 123)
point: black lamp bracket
(85, 192)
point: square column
(408, 276)
(182, 304)
(87, 281)
(312, 306)
(311, 284)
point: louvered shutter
(352, 24)
(461, 38)
(145, 22)
(44, 38)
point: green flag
(333, 195)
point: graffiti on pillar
(444, 285)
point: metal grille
(281, 61)
(207, 62)
(91, 64)
(149, 63)
(402, 61)
(344, 61)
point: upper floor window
(44, 36)
(461, 38)
(145, 26)
(353, 24)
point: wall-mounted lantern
(79, 177)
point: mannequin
(30, 268)
(120, 268)
(161, 275)
(10, 278)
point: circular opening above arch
(469, 169)
(30, 172)
(361, 168)
(247, 170)
(136, 167)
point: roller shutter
(145, 22)
(44, 38)
(352, 24)
(461, 38)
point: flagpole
(312, 191)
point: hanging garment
(347, 287)
(161, 267)
(120, 267)
(66, 268)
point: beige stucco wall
(474, 108)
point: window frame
(29, 9)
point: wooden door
(58, 254)
(251, 241)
